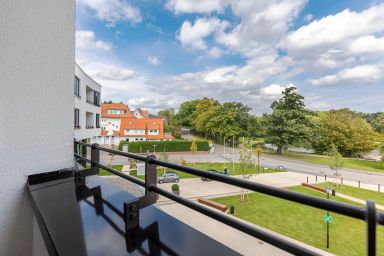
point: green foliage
(245, 160)
(175, 187)
(350, 133)
(166, 146)
(336, 162)
(289, 123)
(194, 146)
(187, 113)
(376, 120)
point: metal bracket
(132, 208)
(131, 214)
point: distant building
(87, 107)
(119, 123)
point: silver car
(168, 177)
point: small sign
(327, 218)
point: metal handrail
(367, 213)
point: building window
(77, 118)
(115, 112)
(77, 86)
(96, 98)
(97, 120)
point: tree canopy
(347, 130)
(289, 123)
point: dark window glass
(77, 86)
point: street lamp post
(154, 149)
(329, 190)
(233, 155)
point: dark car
(168, 177)
(211, 171)
(280, 168)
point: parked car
(168, 177)
(280, 168)
(211, 171)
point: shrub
(167, 146)
(175, 187)
(183, 162)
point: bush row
(167, 146)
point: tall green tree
(289, 123)
(205, 108)
(345, 129)
(187, 113)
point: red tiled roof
(144, 113)
(117, 106)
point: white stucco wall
(111, 124)
(37, 40)
(84, 106)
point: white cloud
(334, 30)
(356, 75)
(153, 60)
(367, 45)
(192, 36)
(272, 90)
(199, 6)
(113, 11)
(215, 52)
(308, 18)
(86, 40)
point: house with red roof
(119, 123)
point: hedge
(167, 146)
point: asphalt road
(267, 161)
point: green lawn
(304, 223)
(366, 165)
(103, 172)
(359, 193)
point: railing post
(150, 179)
(95, 158)
(370, 218)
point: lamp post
(328, 219)
(233, 155)
(154, 149)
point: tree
(376, 120)
(205, 109)
(194, 150)
(289, 123)
(187, 114)
(336, 161)
(164, 157)
(345, 129)
(245, 162)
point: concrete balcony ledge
(87, 220)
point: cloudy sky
(158, 53)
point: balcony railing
(367, 213)
(89, 127)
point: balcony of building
(93, 217)
(89, 120)
(92, 96)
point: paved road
(267, 161)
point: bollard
(325, 177)
(316, 178)
(359, 184)
(341, 181)
(307, 179)
(232, 209)
(378, 187)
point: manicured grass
(360, 193)
(304, 223)
(103, 172)
(366, 165)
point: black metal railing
(368, 213)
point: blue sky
(157, 54)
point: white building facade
(87, 107)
